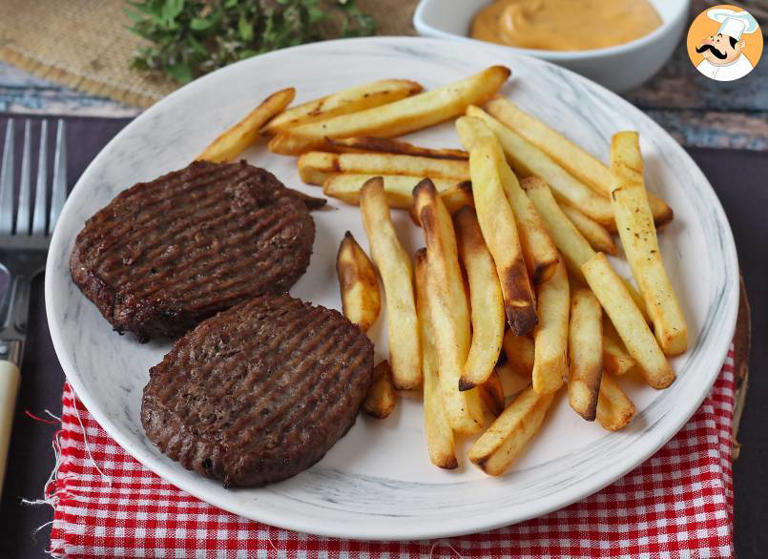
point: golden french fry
(550, 339)
(516, 364)
(585, 350)
(520, 353)
(486, 301)
(380, 400)
(454, 198)
(440, 442)
(448, 307)
(397, 188)
(614, 408)
(497, 222)
(360, 295)
(572, 245)
(598, 236)
(582, 165)
(390, 145)
(638, 237)
(396, 272)
(574, 248)
(458, 196)
(492, 396)
(498, 447)
(526, 160)
(618, 304)
(397, 118)
(471, 130)
(539, 251)
(316, 166)
(512, 381)
(616, 359)
(343, 102)
(242, 135)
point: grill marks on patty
(260, 392)
(264, 384)
(166, 254)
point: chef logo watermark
(725, 43)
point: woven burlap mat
(84, 44)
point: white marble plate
(377, 482)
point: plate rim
(378, 531)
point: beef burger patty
(259, 392)
(166, 254)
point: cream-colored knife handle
(9, 389)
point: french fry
(396, 272)
(572, 245)
(242, 135)
(492, 396)
(598, 236)
(457, 196)
(343, 102)
(520, 353)
(390, 145)
(440, 442)
(360, 295)
(448, 307)
(539, 251)
(316, 166)
(526, 160)
(582, 165)
(614, 408)
(585, 350)
(512, 381)
(380, 400)
(550, 339)
(638, 237)
(616, 359)
(498, 447)
(397, 118)
(574, 248)
(618, 304)
(515, 366)
(486, 301)
(497, 222)
(397, 188)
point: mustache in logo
(716, 53)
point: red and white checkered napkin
(679, 503)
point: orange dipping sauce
(565, 24)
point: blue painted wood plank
(22, 92)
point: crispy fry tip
(465, 385)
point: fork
(23, 249)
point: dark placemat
(737, 176)
(31, 457)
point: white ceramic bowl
(618, 68)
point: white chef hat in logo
(733, 23)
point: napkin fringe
(57, 492)
(53, 489)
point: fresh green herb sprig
(192, 37)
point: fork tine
(6, 183)
(23, 215)
(59, 194)
(38, 215)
